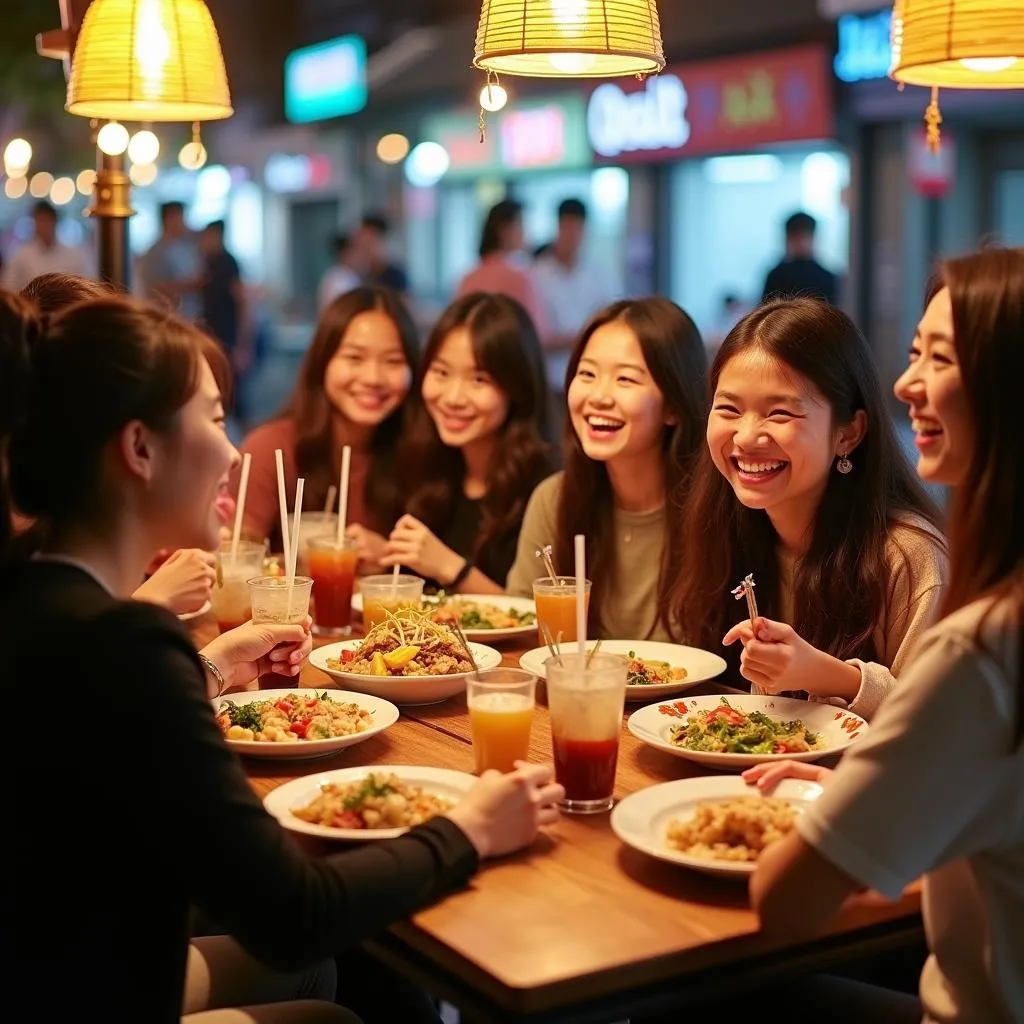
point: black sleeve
(237, 863)
(771, 285)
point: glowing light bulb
(62, 191)
(86, 181)
(152, 47)
(17, 157)
(15, 188)
(570, 16)
(144, 147)
(571, 63)
(112, 138)
(493, 97)
(393, 148)
(40, 185)
(143, 174)
(988, 65)
(192, 156)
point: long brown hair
(986, 516)
(674, 353)
(110, 361)
(312, 413)
(506, 347)
(52, 292)
(840, 592)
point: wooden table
(582, 928)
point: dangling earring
(843, 464)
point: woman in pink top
(351, 390)
(502, 238)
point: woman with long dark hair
(937, 786)
(476, 447)
(351, 390)
(803, 483)
(637, 407)
(142, 470)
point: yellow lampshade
(959, 44)
(148, 60)
(569, 38)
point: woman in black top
(476, 448)
(134, 808)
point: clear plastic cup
(586, 697)
(274, 601)
(230, 594)
(382, 596)
(556, 607)
(501, 704)
(332, 567)
(313, 526)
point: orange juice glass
(332, 567)
(556, 607)
(501, 706)
(382, 595)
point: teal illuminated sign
(864, 48)
(325, 80)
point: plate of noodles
(714, 824)
(407, 659)
(656, 670)
(485, 617)
(360, 804)
(743, 729)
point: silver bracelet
(215, 672)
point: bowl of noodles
(741, 730)
(407, 659)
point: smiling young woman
(803, 483)
(637, 406)
(476, 448)
(351, 390)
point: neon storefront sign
(620, 122)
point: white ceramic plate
(700, 665)
(188, 616)
(299, 792)
(403, 690)
(839, 728)
(642, 819)
(384, 713)
(522, 605)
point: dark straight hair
(840, 591)
(506, 347)
(986, 516)
(499, 217)
(674, 353)
(313, 415)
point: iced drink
(500, 715)
(556, 607)
(274, 601)
(332, 566)
(381, 597)
(313, 526)
(586, 695)
(230, 594)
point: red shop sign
(714, 106)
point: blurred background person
(350, 268)
(571, 290)
(500, 271)
(799, 273)
(43, 254)
(223, 297)
(371, 242)
(172, 269)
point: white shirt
(34, 258)
(937, 789)
(336, 281)
(571, 296)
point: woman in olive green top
(637, 407)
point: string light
(86, 181)
(193, 154)
(393, 148)
(144, 147)
(112, 138)
(40, 185)
(17, 157)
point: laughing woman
(637, 407)
(351, 390)
(477, 448)
(803, 483)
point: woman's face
(933, 388)
(194, 463)
(617, 410)
(771, 434)
(368, 376)
(463, 400)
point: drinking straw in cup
(383, 596)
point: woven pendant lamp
(148, 60)
(569, 38)
(957, 44)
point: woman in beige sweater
(637, 404)
(803, 484)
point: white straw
(332, 493)
(346, 465)
(243, 487)
(581, 594)
(282, 500)
(394, 582)
(293, 546)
